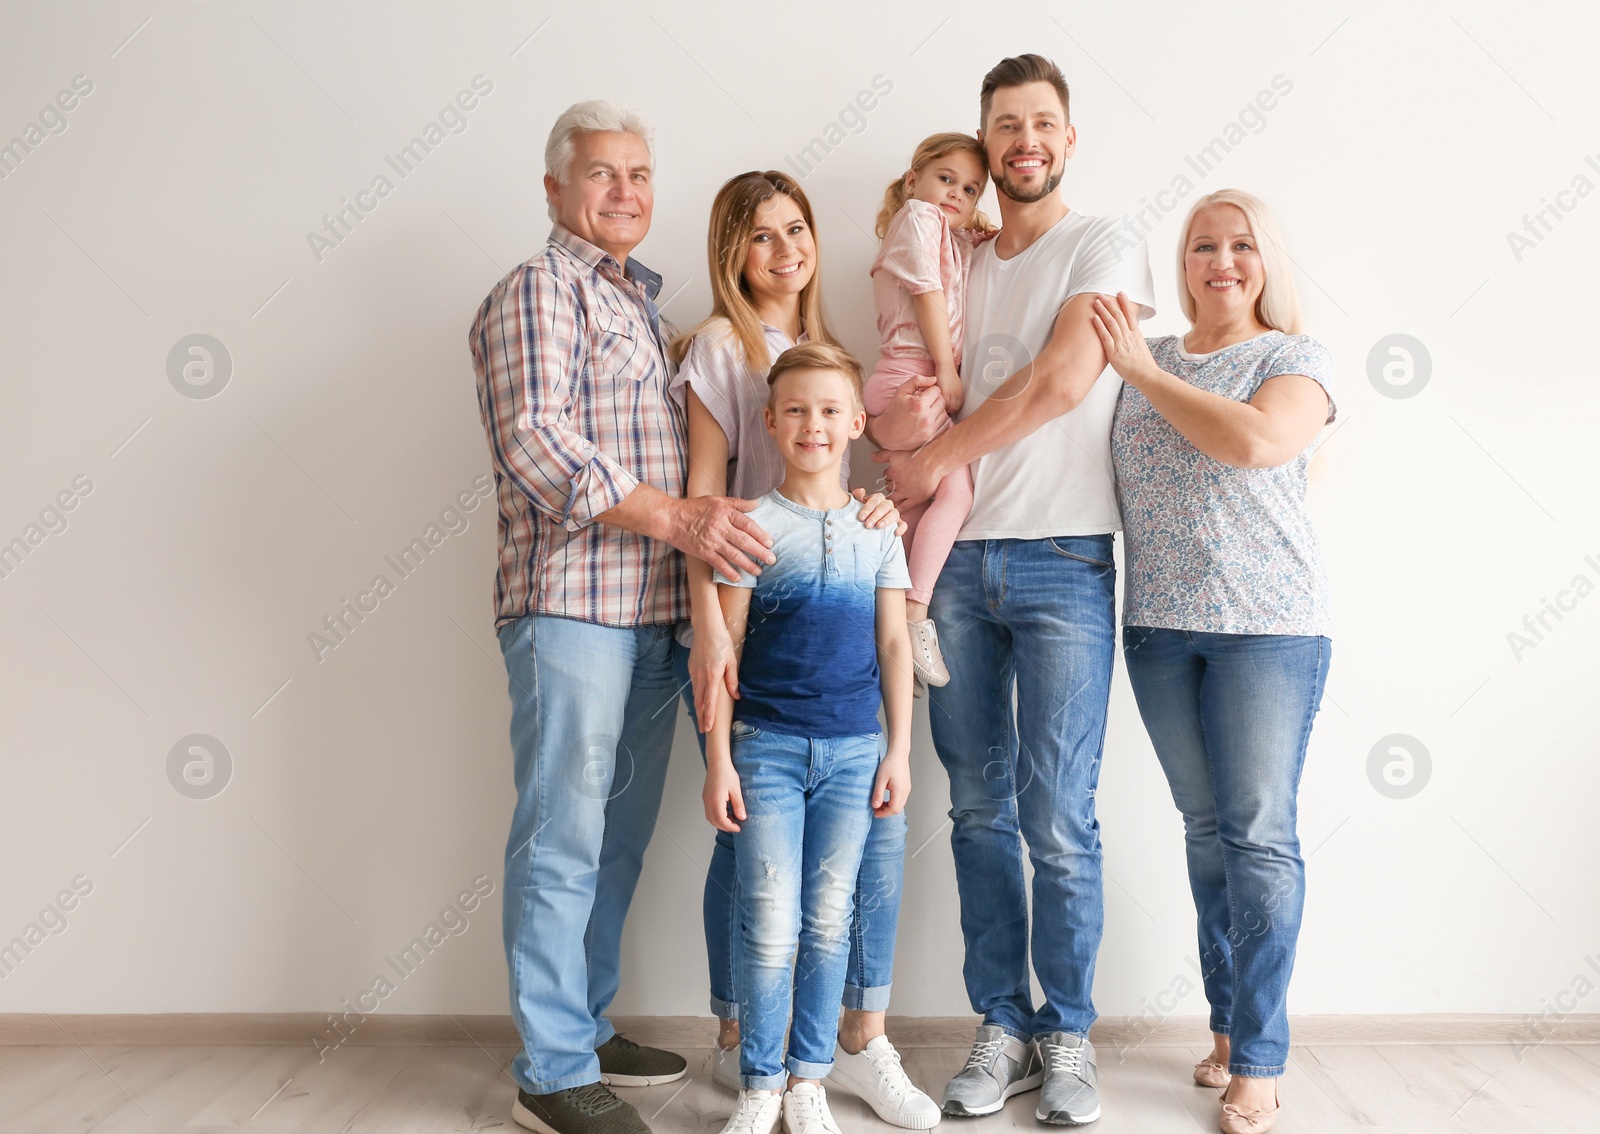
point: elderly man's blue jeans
(1034, 617)
(808, 805)
(592, 715)
(1230, 717)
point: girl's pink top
(920, 254)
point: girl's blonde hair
(1278, 305)
(933, 147)
(733, 220)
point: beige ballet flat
(1212, 1072)
(1237, 1120)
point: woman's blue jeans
(1230, 716)
(872, 927)
(808, 806)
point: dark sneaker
(1071, 1094)
(589, 1109)
(624, 1063)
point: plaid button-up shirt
(572, 385)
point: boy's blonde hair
(818, 356)
(933, 147)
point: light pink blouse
(920, 254)
(736, 394)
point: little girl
(928, 224)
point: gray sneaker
(1071, 1094)
(999, 1066)
(589, 1109)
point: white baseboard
(291, 1028)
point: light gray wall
(211, 535)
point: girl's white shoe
(925, 656)
(875, 1074)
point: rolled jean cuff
(866, 999)
(724, 1009)
(1246, 1071)
(764, 1082)
(550, 1086)
(800, 1069)
(1219, 1026)
(1014, 1033)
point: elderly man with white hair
(589, 458)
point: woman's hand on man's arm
(1272, 428)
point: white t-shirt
(1058, 480)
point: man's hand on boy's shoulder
(878, 511)
(720, 531)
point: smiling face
(1222, 265)
(782, 256)
(813, 416)
(953, 182)
(1028, 141)
(607, 194)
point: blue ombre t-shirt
(810, 665)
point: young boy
(794, 768)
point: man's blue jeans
(1035, 617)
(808, 803)
(592, 715)
(1230, 716)
(872, 928)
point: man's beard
(1003, 185)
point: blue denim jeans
(592, 715)
(873, 926)
(1229, 716)
(797, 854)
(1034, 617)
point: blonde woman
(766, 297)
(1225, 620)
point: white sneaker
(725, 1067)
(758, 1113)
(805, 1111)
(876, 1076)
(925, 656)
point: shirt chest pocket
(620, 349)
(861, 561)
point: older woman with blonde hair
(1226, 618)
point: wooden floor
(165, 1090)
